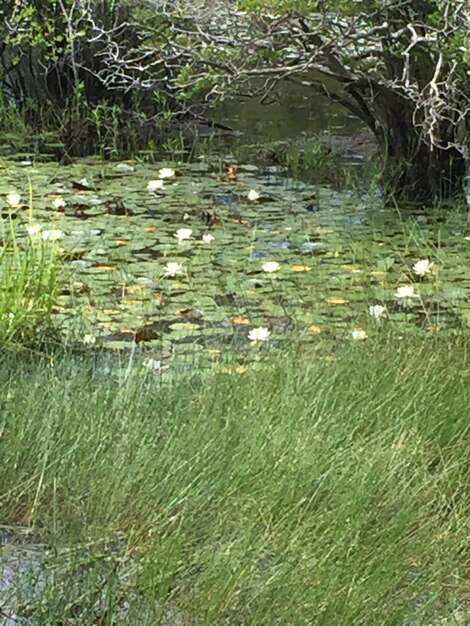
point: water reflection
(294, 111)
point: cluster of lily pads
(171, 269)
(404, 294)
(199, 256)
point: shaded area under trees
(400, 66)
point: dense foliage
(403, 68)
(75, 66)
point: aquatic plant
(259, 334)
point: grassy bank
(309, 492)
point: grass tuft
(29, 286)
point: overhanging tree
(401, 66)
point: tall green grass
(308, 492)
(30, 282)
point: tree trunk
(424, 175)
(414, 170)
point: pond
(223, 245)
(194, 263)
(291, 112)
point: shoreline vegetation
(310, 491)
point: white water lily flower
(182, 234)
(271, 266)
(123, 167)
(52, 235)
(405, 291)
(83, 182)
(207, 238)
(173, 268)
(154, 365)
(58, 203)
(253, 195)
(155, 185)
(166, 172)
(377, 311)
(89, 340)
(259, 334)
(358, 334)
(13, 199)
(422, 267)
(33, 229)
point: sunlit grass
(309, 491)
(29, 285)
